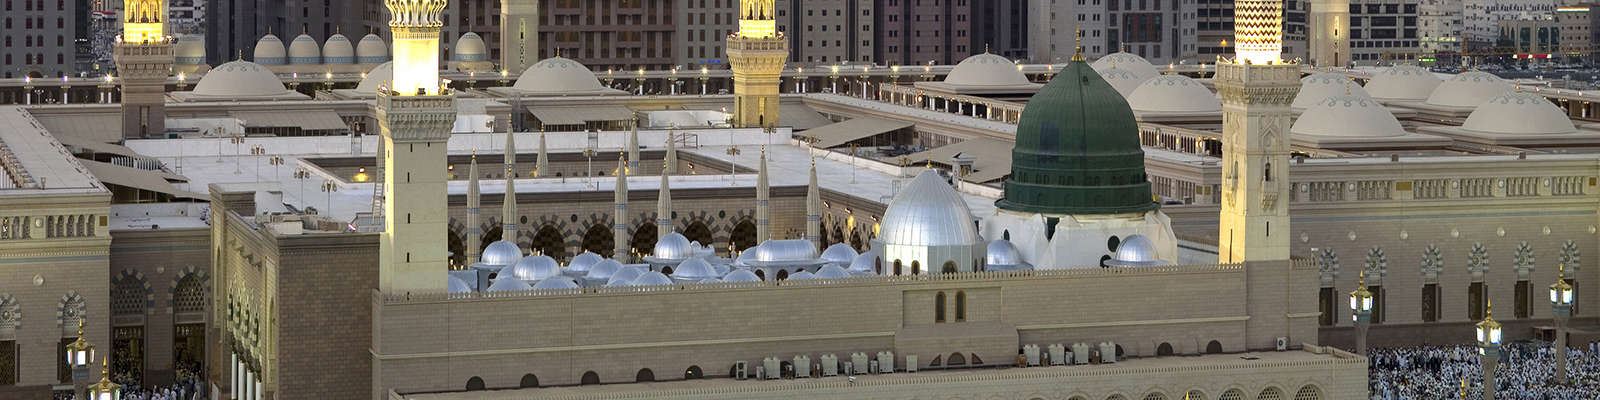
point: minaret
(519, 34)
(671, 166)
(474, 232)
(508, 208)
(664, 205)
(633, 147)
(763, 197)
(814, 208)
(1256, 88)
(757, 54)
(541, 164)
(144, 56)
(619, 219)
(1329, 28)
(415, 117)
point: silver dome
(456, 285)
(604, 269)
(508, 284)
(741, 275)
(832, 272)
(694, 269)
(839, 253)
(802, 276)
(651, 278)
(1136, 251)
(863, 263)
(672, 247)
(786, 251)
(533, 268)
(584, 261)
(556, 282)
(1002, 252)
(625, 276)
(502, 253)
(746, 257)
(928, 212)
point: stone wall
(158, 259)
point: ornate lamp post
(302, 175)
(1489, 348)
(1361, 313)
(1561, 302)
(704, 74)
(833, 79)
(105, 389)
(79, 355)
(330, 188)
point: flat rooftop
(33, 158)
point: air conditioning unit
(739, 369)
(1283, 343)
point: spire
(633, 147)
(814, 208)
(541, 165)
(1077, 36)
(508, 220)
(664, 204)
(671, 162)
(763, 212)
(474, 232)
(619, 219)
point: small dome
(191, 50)
(584, 261)
(1469, 89)
(802, 276)
(470, 47)
(456, 285)
(928, 212)
(372, 50)
(558, 75)
(863, 263)
(533, 268)
(785, 250)
(1402, 83)
(1002, 252)
(1124, 81)
(1126, 61)
(624, 276)
(694, 269)
(269, 51)
(741, 275)
(1174, 93)
(986, 70)
(509, 284)
(651, 278)
(1315, 87)
(239, 79)
(604, 269)
(832, 272)
(502, 253)
(672, 247)
(1348, 115)
(1519, 113)
(304, 50)
(378, 77)
(839, 253)
(338, 50)
(1136, 251)
(556, 282)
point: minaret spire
(671, 166)
(633, 146)
(664, 203)
(814, 208)
(508, 218)
(763, 197)
(541, 165)
(619, 219)
(474, 232)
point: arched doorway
(644, 239)
(489, 237)
(955, 359)
(590, 378)
(783, 275)
(855, 242)
(1214, 347)
(744, 235)
(693, 372)
(1165, 349)
(529, 381)
(475, 383)
(598, 240)
(644, 375)
(838, 235)
(698, 232)
(948, 268)
(457, 247)
(550, 242)
(189, 328)
(128, 302)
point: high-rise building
(829, 31)
(185, 17)
(1161, 31)
(919, 31)
(1439, 28)
(1384, 32)
(234, 26)
(517, 46)
(704, 26)
(1214, 28)
(1328, 38)
(45, 39)
(621, 34)
(1001, 27)
(1051, 27)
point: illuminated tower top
(416, 25)
(1258, 31)
(756, 19)
(142, 21)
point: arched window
(761, 274)
(1195, 394)
(961, 306)
(645, 375)
(1232, 394)
(590, 378)
(1165, 349)
(1308, 392)
(916, 267)
(693, 372)
(782, 274)
(128, 296)
(938, 307)
(475, 383)
(897, 267)
(1214, 347)
(877, 265)
(948, 268)
(955, 359)
(529, 381)
(1270, 393)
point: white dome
(533, 268)
(1136, 251)
(832, 272)
(651, 278)
(624, 276)
(1002, 252)
(741, 275)
(672, 247)
(191, 50)
(502, 253)
(556, 282)
(986, 70)
(557, 75)
(304, 50)
(1315, 87)
(1348, 115)
(239, 79)
(928, 212)
(839, 253)
(269, 51)
(372, 50)
(1468, 89)
(802, 276)
(863, 263)
(1174, 93)
(338, 50)
(1127, 61)
(604, 269)
(470, 47)
(456, 285)
(1124, 81)
(694, 269)
(1402, 83)
(785, 250)
(378, 77)
(584, 261)
(509, 284)
(1519, 113)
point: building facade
(1384, 32)
(829, 31)
(45, 40)
(918, 32)
(234, 26)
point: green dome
(1077, 150)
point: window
(1524, 299)
(1475, 301)
(916, 267)
(961, 306)
(938, 307)
(1325, 303)
(8, 349)
(1377, 303)
(1430, 302)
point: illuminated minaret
(1256, 88)
(619, 219)
(519, 34)
(763, 201)
(671, 166)
(1329, 27)
(757, 54)
(664, 205)
(814, 208)
(415, 117)
(474, 232)
(508, 207)
(633, 147)
(144, 58)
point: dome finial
(1077, 36)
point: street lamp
(1489, 348)
(330, 188)
(105, 389)
(79, 355)
(302, 175)
(1361, 313)
(1561, 302)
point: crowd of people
(184, 389)
(1526, 372)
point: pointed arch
(697, 231)
(550, 242)
(1308, 392)
(644, 239)
(455, 243)
(744, 235)
(598, 239)
(490, 236)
